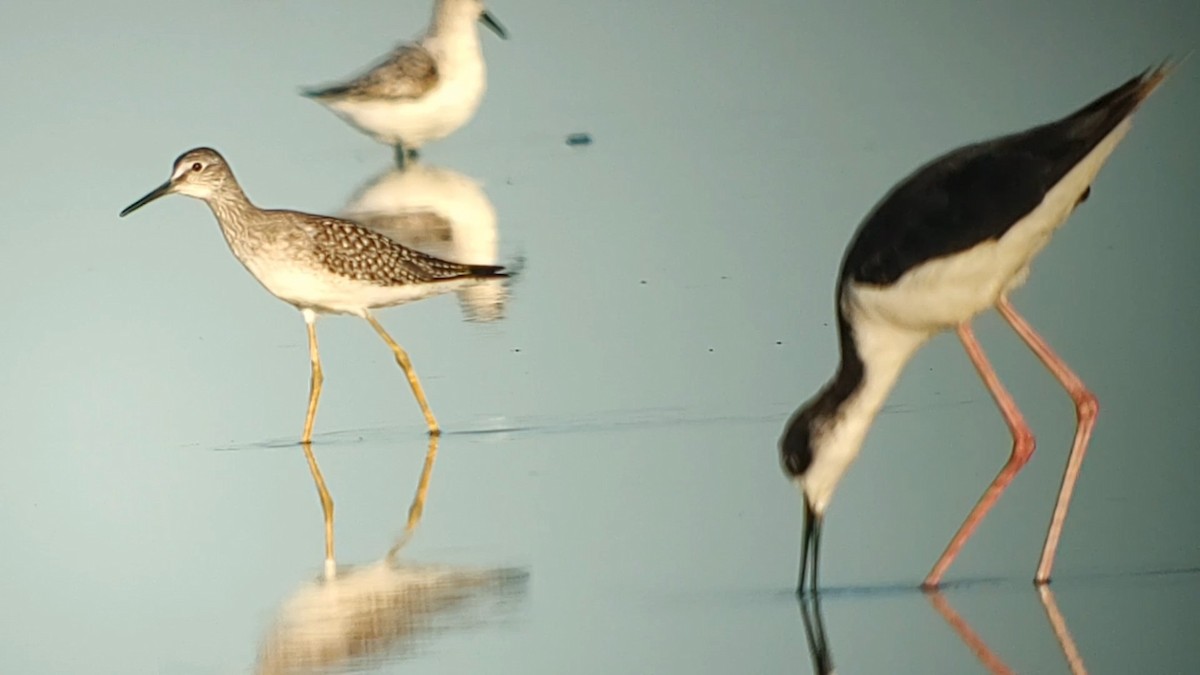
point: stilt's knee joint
(1087, 407)
(1024, 443)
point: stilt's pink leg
(1086, 409)
(1022, 450)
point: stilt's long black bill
(490, 21)
(157, 192)
(814, 631)
(810, 548)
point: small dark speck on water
(710, 349)
(779, 342)
(643, 282)
(517, 351)
(579, 139)
(724, 278)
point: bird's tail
(1123, 101)
(1152, 78)
(486, 272)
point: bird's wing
(356, 252)
(408, 72)
(962, 199)
(977, 192)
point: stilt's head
(201, 173)
(798, 448)
(450, 11)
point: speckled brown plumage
(408, 72)
(355, 252)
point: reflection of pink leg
(1022, 450)
(1059, 624)
(969, 637)
(1086, 409)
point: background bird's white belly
(950, 290)
(413, 122)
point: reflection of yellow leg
(326, 508)
(417, 508)
(314, 386)
(406, 365)
(1059, 624)
(968, 635)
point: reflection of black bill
(814, 631)
(161, 190)
(490, 21)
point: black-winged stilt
(948, 242)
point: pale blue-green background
(736, 146)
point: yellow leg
(406, 365)
(314, 393)
(326, 507)
(417, 509)
(314, 387)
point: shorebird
(950, 241)
(422, 91)
(318, 264)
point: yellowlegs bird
(421, 91)
(319, 264)
(950, 241)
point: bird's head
(472, 10)
(201, 173)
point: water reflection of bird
(422, 91)
(814, 633)
(987, 656)
(357, 616)
(372, 614)
(949, 242)
(442, 213)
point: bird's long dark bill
(157, 192)
(810, 549)
(490, 21)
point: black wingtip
(511, 271)
(323, 93)
(487, 271)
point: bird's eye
(197, 166)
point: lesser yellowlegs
(422, 91)
(319, 264)
(950, 241)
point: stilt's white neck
(838, 435)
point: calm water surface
(607, 497)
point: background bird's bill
(488, 20)
(160, 191)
